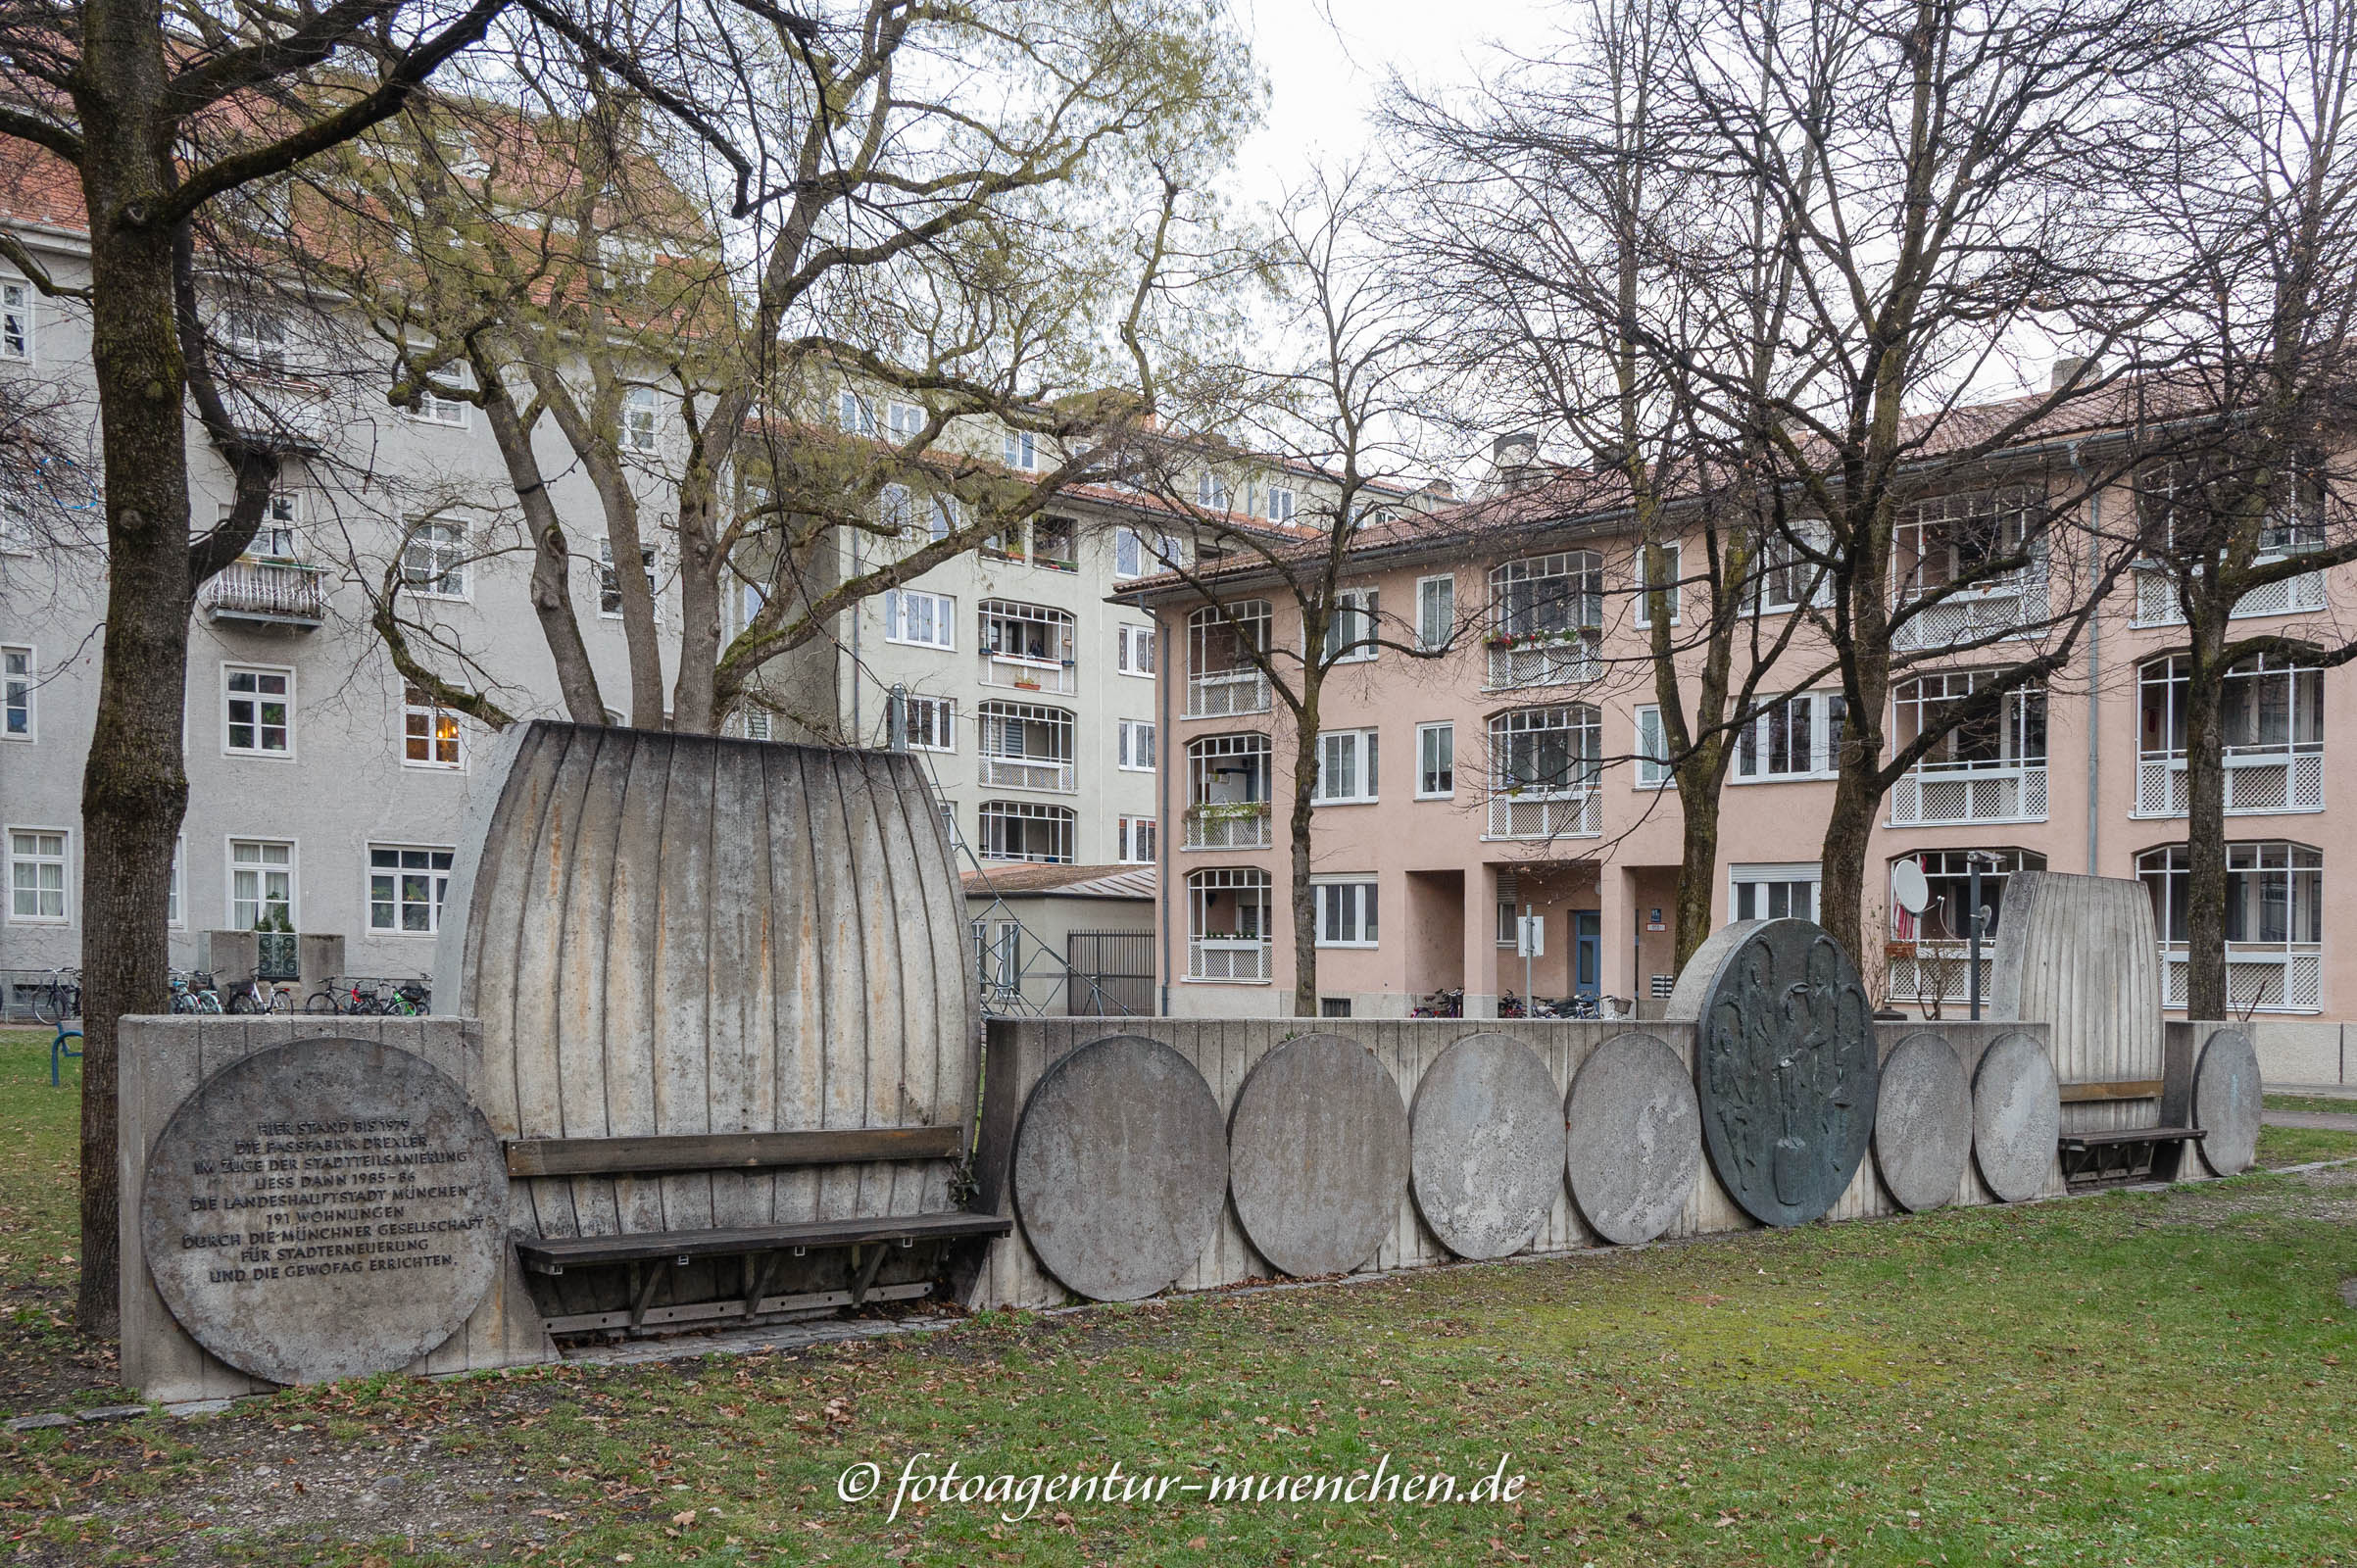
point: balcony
(1227, 691)
(1030, 773)
(1229, 826)
(1993, 609)
(278, 415)
(1542, 659)
(2259, 977)
(1228, 958)
(1930, 798)
(2257, 783)
(2157, 597)
(1938, 974)
(1546, 815)
(267, 593)
(1016, 672)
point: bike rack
(60, 1051)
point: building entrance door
(1586, 951)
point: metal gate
(1112, 972)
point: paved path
(2331, 1121)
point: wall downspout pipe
(2094, 676)
(1165, 890)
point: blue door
(1588, 952)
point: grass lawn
(2131, 1379)
(2329, 1105)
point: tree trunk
(2205, 826)
(701, 572)
(134, 786)
(1698, 863)
(1305, 904)
(552, 555)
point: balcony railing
(2257, 783)
(1241, 826)
(1030, 773)
(1938, 973)
(1544, 659)
(2259, 977)
(1227, 959)
(270, 592)
(1227, 691)
(2157, 605)
(1022, 675)
(1546, 815)
(1991, 610)
(1929, 796)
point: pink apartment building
(1511, 773)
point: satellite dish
(1908, 887)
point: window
(1280, 502)
(15, 320)
(1954, 538)
(753, 724)
(1350, 630)
(1134, 650)
(2274, 892)
(949, 826)
(1545, 749)
(922, 618)
(610, 583)
(1211, 492)
(930, 723)
(1021, 451)
(1799, 737)
(1792, 568)
(998, 955)
(948, 516)
(1026, 746)
(174, 889)
(1557, 596)
(1228, 923)
(1136, 746)
(433, 561)
(258, 711)
(1436, 761)
(253, 339)
(16, 537)
(1652, 751)
(1774, 891)
(2267, 704)
(1222, 676)
(1345, 912)
(2010, 734)
(1036, 637)
(1228, 769)
(639, 413)
(37, 875)
(430, 736)
(1140, 555)
(854, 414)
(262, 883)
(406, 886)
(1667, 584)
(896, 511)
(1136, 840)
(1018, 831)
(907, 422)
(1435, 613)
(279, 537)
(1947, 913)
(16, 694)
(1345, 766)
(442, 398)
(1054, 544)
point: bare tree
(157, 110)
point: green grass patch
(2327, 1103)
(40, 1130)
(2279, 1146)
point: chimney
(2067, 367)
(1513, 460)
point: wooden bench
(649, 1254)
(2122, 1155)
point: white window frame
(15, 524)
(434, 562)
(256, 334)
(1063, 823)
(1787, 564)
(1281, 501)
(938, 726)
(1211, 492)
(413, 708)
(1361, 746)
(434, 408)
(896, 509)
(285, 754)
(906, 420)
(279, 534)
(19, 322)
(35, 859)
(610, 582)
(1753, 739)
(905, 612)
(176, 891)
(1351, 628)
(1350, 903)
(1446, 731)
(854, 414)
(1786, 873)
(437, 878)
(1673, 588)
(19, 691)
(1436, 609)
(1651, 752)
(294, 882)
(1134, 650)
(1129, 554)
(642, 418)
(1134, 840)
(1135, 745)
(1021, 451)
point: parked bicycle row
(1450, 1003)
(195, 990)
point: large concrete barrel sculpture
(671, 934)
(2079, 954)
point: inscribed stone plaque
(1486, 1145)
(2227, 1102)
(1787, 1073)
(1121, 1164)
(1636, 1143)
(1923, 1122)
(324, 1210)
(2016, 1116)
(1318, 1154)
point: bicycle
(261, 994)
(59, 997)
(1440, 1004)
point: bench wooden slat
(2132, 1135)
(553, 1254)
(2116, 1089)
(612, 1156)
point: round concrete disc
(324, 1210)
(1486, 1145)
(1634, 1146)
(2016, 1116)
(1318, 1154)
(1923, 1123)
(2226, 1102)
(1119, 1167)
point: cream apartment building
(1512, 774)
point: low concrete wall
(1021, 1050)
(2302, 1050)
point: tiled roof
(36, 186)
(1061, 881)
